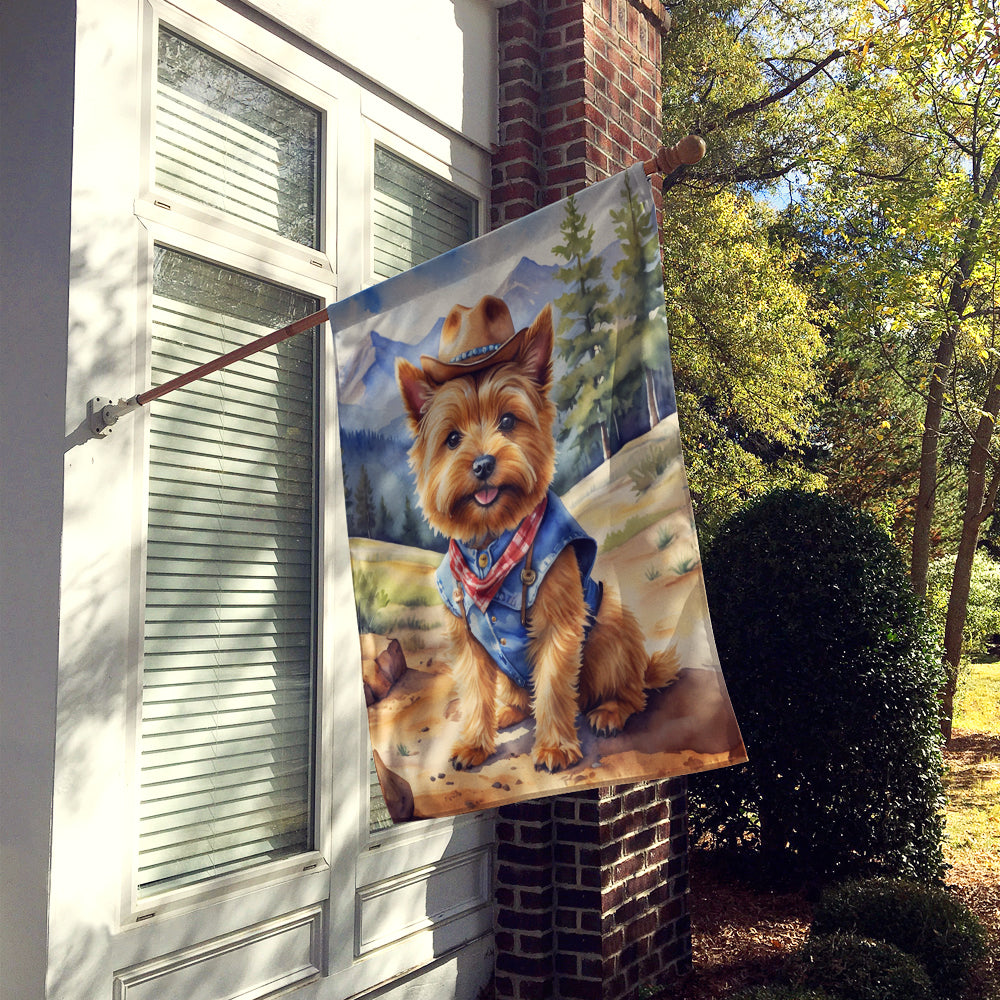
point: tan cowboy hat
(472, 339)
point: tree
(383, 521)
(915, 189)
(646, 349)
(364, 505)
(411, 524)
(882, 120)
(746, 355)
(584, 338)
(746, 76)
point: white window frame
(351, 873)
(180, 224)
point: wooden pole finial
(668, 158)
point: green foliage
(370, 600)
(655, 461)
(782, 992)
(630, 529)
(585, 394)
(983, 611)
(639, 304)
(833, 673)
(926, 922)
(856, 968)
(746, 353)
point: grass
(978, 697)
(630, 529)
(973, 784)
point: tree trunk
(979, 500)
(605, 442)
(958, 299)
(920, 553)
(654, 409)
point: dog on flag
(531, 631)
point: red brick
(521, 91)
(581, 989)
(518, 49)
(515, 130)
(565, 54)
(517, 111)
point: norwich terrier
(530, 630)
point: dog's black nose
(482, 467)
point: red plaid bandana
(482, 591)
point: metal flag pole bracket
(103, 413)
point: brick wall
(579, 96)
(591, 888)
(591, 893)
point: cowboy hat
(473, 339)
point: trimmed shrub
(856, 968)
(925, 922)
(833, 672)
(783, 993)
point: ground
(742, 935)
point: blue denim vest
(499, 628)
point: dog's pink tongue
(487, 496)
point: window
(251, 805)
(415, 217)
(229, 647)
(227, 707)
(230, 141)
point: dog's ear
(415, 388)
(535, 355)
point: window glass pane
(416, 215)
(231, 141)
(228, 657)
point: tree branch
(753, 107)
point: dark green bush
(925, 922)
(783, 993)
(834, 673)
(856, 968)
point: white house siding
(75, 246)
(36, 117)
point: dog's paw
(608, 718)
(509, 715)
(556, 758)
(464, 756)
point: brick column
(591, 888)
(579, 96)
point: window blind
(228, 653)
(228, 140)
(415, 217)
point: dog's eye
(453, 440)
(507, 423)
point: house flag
(527, 578)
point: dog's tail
(662, 669)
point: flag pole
(103, 414)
